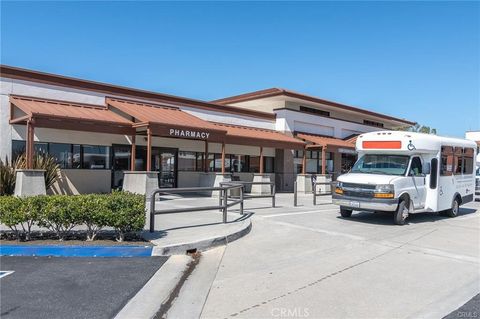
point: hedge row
(125, 212)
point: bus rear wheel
(453, 212)
(401, 213)
(345, 212)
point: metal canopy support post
(132, 153)
(304, 161)
(223, 158)
(149, 149)
(205, 160)
(324, 160)
(30, 140)
(261, 160)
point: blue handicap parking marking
(76, 251)
(4, 273)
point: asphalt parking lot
(69, 287)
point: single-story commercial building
(97, 131)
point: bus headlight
(339, 188)
(384, 191)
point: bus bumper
(370, 204)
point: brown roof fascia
(276, 92)
(53, 79)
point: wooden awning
(67, 115)
(323, 141)
(244, 135)
(167, 121)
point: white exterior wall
(34, 89)
(474, 136)
(290, 121)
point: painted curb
(147, 302)
(75, 251)
(202, 244)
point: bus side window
(446, 168)
(416, 167)
(458, 160)
(433, 173)
(468, 167)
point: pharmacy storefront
(97, 132)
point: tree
(418, 128)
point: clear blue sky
(416, 60)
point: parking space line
(297, 213)
(4, 273)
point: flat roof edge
(278, 92)
(65, 81)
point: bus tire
(346, 213)
(401, 214)
(453, 212)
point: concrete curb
(194, 292)
(203, 243)
(147, 301)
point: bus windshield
(381, 164)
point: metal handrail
(223, 205)
(245, 195)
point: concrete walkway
(183, 232)
(307, 261)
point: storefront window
(269, 165)
(76, 156)
(18, 148)
(69, 155)
(200, 158)
(254, 164)
(239, 163)
(96, 157)
(62, 154)
(41, 148)
(186, 161)
(211, 162)
(314, 162)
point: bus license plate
(355, 204)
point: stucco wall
(83, 181)
(289, 121)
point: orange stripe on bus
(382, 144)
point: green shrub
(126, 213)
(18, 212)
(30, 209)
(61, 214)
(93, 212)
(11, 214)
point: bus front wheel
(345, 212)
(401, 213)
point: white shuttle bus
(407, 173)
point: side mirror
(426, 169)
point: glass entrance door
(120, 163)
(164, 160)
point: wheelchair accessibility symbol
(410, 146)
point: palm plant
(40, 161)
(7, 178)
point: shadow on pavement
(386, 218)
(164, 232)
